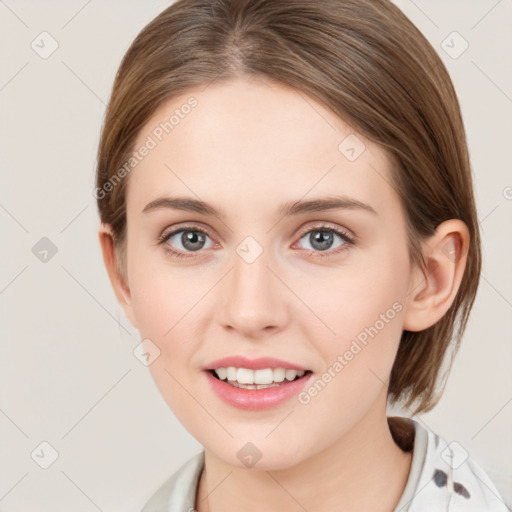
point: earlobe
(119, 285)
(433, 291)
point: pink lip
(253, 364)
(256, 399)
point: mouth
(246, 378)
(268, 384)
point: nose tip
(252, 300)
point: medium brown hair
(367, 63)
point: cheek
(359, 325)
(165, 306)
(358, 359)
(162, 296)
(344, 303)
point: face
(273, 273)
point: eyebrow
(286, 209)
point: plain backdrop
(69, 378)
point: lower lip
(257, 399)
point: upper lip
(253, 364)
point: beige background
(68, 375)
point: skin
(248, 146)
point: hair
(366, 62)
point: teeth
(279, 374)
(264, 377)
(291, 374)
(252, 386)
(230, 373)
(222, 373)
(245, 376)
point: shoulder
(449, 478)
(179, 491)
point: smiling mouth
(257, 379)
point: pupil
(322, 240)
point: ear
(432, 293)
(120, 287)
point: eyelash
(317, 254)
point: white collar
(442, 478)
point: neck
(364, 470)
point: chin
(260, 456)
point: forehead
(258, 139)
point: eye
(186, 240)
(323, 238)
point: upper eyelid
(321, 225)
(177, 229)
(328, 226)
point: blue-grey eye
(190, 240)
(322, 239)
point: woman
(287, 218)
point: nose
(253, 300)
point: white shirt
(442, 478)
